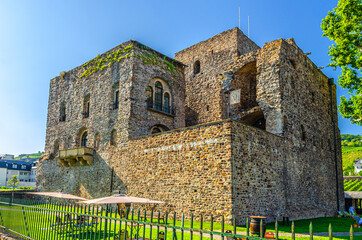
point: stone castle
(225, 128)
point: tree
(343, 25)
(13, 182)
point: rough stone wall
(204, 98)
(219, 167)
(102, 118)
(188, 168)
(142, 119)
(309, 123)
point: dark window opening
(197, 67)
(149, 97)
(116, 100)
(62, 112)
(158, 96)
(166, 107)
(303, 132)
(86, 106)
(156, 130)
(84, 139)
(113, 140)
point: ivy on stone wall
(99, 63)
(154, 59)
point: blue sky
(41, 38)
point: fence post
(351, 234)
(222, 227)
(201, 221)
(234, 225)
(311, 231)
(212, 227)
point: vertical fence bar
(100, 224)
(138, 223)
(311, 231)
(89, 222)
(115, 223)
(182, 225)
(201, 223)
(222, 227)
(330, 234)
(192, 227)
(125, 226)
(131, 223)
(151, 224)
(234, 226)
(293, 231)
(65, 220)
(166, 223)
(276, 230)
(144, 225)
(212, 227)
(70, 229)
(105, 224)
(247, 227)
(351, 234)
(158, 226)
(109, 228)
(174, 229)
(261, 229)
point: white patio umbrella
(58, 195)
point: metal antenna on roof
(248, 28)
(239, 17)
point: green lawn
(33, 221)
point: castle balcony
(71, 156)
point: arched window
(158, 96)
(156, 130)
(197, 67)
(166, 103)
(116, 99)
(113, 140)
(149, 97)
(62, 112)
(84, 139)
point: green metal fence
(34, 219)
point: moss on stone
(100, 63)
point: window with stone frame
(197, 67)
(116, 99)
(62, 111)
(155, 130)
(158, 96)
(149, 97)
(159, 128)
(166, 103)
(113, 140)
(86, 106)
(84, 139)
